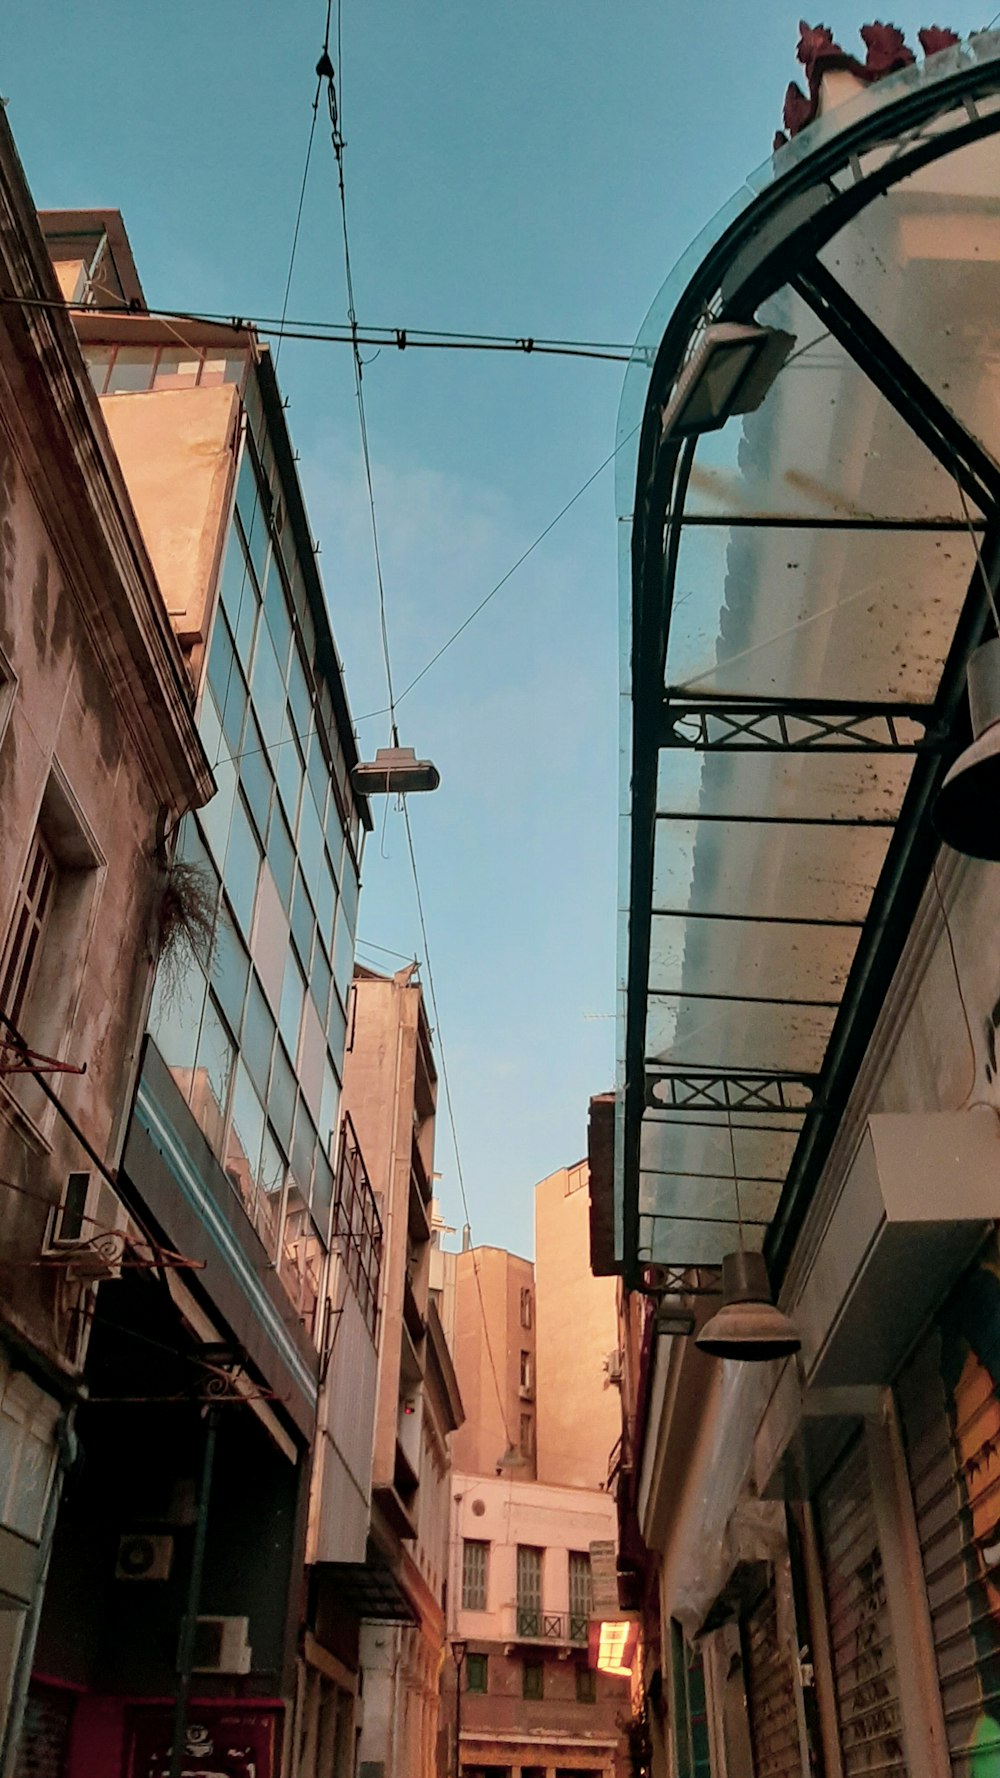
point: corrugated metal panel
(770, 1679)
(950, 1411)
(869, 1719)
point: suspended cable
(369, 716)
(327, 72)
(474, 613)
(446, 1082)
(331, 333)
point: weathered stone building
(99, 759)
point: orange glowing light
(616, 1647)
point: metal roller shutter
(770, 1679)
(869, 1719)
(950, 1411)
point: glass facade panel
(328, 1107)
(276, 612)
(221, 660)
(280, 847)
(212, 1074)
(319, 983)
(281, 1098)
(255, 777)
(326, 901)
(272, 1181)
(290, 1011)
(242, 865)
(350, 888)
(303, 1148)
(343, 954)
(336, 1026)
(258, 1036)
(298, 696)
(303, 922)
(289, 768)
(311, 849)
(246, 1135)
(230, 967)
(268, 689)
(250, 504)
(132, 370)
(281, 855)
(240, 599)
(175, 1018)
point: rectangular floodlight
(729, 372)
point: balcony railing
(357, 1225)
(534, 1625)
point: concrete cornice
(55, 423)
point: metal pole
(185, 1648)
(459, 1664)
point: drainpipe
(185, 1651)
(66, 1449)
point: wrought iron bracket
(112, 1250)
(721, 1090)
(658, 1280)
(20, 1058)
(738, 725)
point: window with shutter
(475, 1572)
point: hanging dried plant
(187, 923)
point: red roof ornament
(935, 38)
(886, 48)
(885, 52)
(815, 41)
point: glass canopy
(800, 593)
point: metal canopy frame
(774, 242)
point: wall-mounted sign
(604, 1578)
(222, 1741)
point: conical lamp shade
(748, 1326)
(967, 811)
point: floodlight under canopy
(729, 372)
(394, 769)
(967, 811)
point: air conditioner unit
(87, 1229)
(221, 1646)
(144, 1557)
(525, 1391)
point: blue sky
(531, 169)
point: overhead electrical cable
(332, 333)
(326, 71)
(370, 715)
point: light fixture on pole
(748, 1326)
(967, 811)
(512, 1459)
(729, 372)
(458, 1652)
(394, 769)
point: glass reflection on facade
(253, 1032)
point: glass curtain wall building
(252, 1021)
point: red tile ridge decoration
(885, 51)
